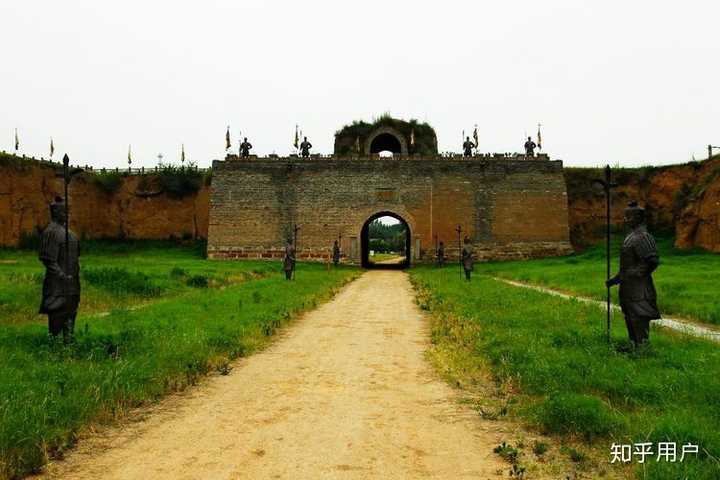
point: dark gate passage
(365, 243)
(386, 142)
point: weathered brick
(510, 207)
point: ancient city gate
(510, 208)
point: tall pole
(66, 181)
(460, 259)
(608, 185)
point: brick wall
(510, 207)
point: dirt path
(391, 261)
(346, 393)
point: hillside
(683, 200)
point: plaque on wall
(386, 195)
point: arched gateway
(365, 246)
(510, 207)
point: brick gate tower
(511, 207)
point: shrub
(539, 448)
(198, 281)
(179, 182)
(177, 272)
(507, 452)
(110, 182)
(121, 281)
(574, 413)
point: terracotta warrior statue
(638, 259)
(60, 252)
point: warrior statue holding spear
(60, 252)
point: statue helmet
(635, 213)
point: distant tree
(386, 238)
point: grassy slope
(569, 381)
(49, 392)
(116, 275)
(686, 281)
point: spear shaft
(66, 181)
(608, 185)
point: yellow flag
(539, 142)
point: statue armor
(61, 286)
(638, 259)
(62, 266)
(336, 253)
(467, 258)
(289, 260)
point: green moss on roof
(425, 138)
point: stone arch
(378, 212)
(386, 137)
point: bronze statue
(467, 257)
(638, 259)
(530, 147)
(305, 147)
(467, 147)
(440, 256)
(289, 260)
(336, 253)
(60, 252)
(245, 147)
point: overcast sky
(628, 82)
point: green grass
(119, 274)
(686, 281)
(551, 355)
(196, 316)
